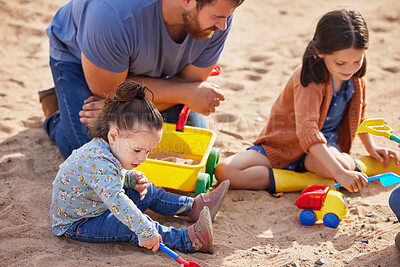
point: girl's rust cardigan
(298, 114)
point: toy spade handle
(216, 71)
(371, 178)
(168, 251)
(183, 116)
(395, 138)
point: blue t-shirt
(336, 111)
(127, 34)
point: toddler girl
(98, 198)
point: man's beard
(192, 26)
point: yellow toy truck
(320, 203)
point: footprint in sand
(262, 98)
(391, 69)
(234, 86)
(33, 122)
(378, 29)
(5, 129)
(258, 58)
(253, 78)
(261, 71)
(225, 117)
(391, 18)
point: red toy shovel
(178, 258)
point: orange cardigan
(298, 114)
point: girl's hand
(152, 243)
(141, 184)
(352, 180)
(383, 155)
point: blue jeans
(72, 90)
(107, 228)
(394, 201)
(297, 166)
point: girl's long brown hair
(336, 30)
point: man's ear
(112, 135)
(186, 3)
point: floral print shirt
(91, 181)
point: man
(171, 46)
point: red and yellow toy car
(320, 203)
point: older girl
(313, 122)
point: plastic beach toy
(188, 142)
(178, 258)
(377, 126)
(386, 179)
(320, 203)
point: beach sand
(265, 45)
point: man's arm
(101, 82)
(188, 87)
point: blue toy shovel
(178, 258)
(387, 179)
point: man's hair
(202, 3)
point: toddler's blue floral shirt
(90, 181)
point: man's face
(201, 24)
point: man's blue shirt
(127, 34)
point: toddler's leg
(197, 238)
(107, 228)
(212, 200)
(160, 201)
(246, 170)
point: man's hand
(91, 110)
(205, 97)
(141, 184)
(152, 243)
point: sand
(265, 45)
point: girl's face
(344, 63)
(131, 149)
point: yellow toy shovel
(377, 127)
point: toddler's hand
(152, 243)
(141, 184)
(352, 180)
